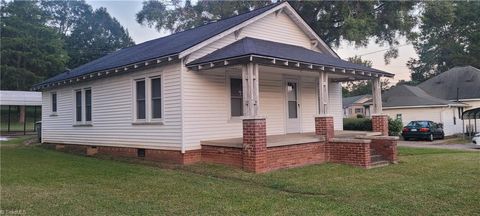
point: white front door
(293, 107)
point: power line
(382, 50)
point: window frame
(83, 107)
(148, 99)
(150, 79)
(75, 113)
(135, 103)
(52, 110)
(229, 77)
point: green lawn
(425, 182)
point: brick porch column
(254, 145)
(380, 124)
(324, 126)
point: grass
(425, 182)
(457, 140)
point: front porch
(289, 101)
(289, 139)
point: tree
(334, 21)
(95, 36)
(31, 51)
(65, 15)
(449, 36)
(88, 34)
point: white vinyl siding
(275, 28)
(112, 114)
(207, 110)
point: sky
(124, 11)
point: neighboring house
(441, 99)
(173, 93)
(352, 106)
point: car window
(418, 124)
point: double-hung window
(236, 97)
(148, 99)
(83, 106)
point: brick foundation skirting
(222, 155)
(164, 156)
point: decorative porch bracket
(250, 89)
(323, 92)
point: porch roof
(298, 56)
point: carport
(472, 114)
(19, 111)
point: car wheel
(430, 138)
(405, 138)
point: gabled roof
(347, 101)
(444, 86)
(252, 46)
(408, 96)
(161, 47)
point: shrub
(394, 127)
(359, 115)
(358, 124)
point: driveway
(439, 144)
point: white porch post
(250, 90)
(323, 92)
(376, 96)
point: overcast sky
(124, 12)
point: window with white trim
(236, 97)
(83, 106)
(148, 100)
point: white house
(360, 104)
(441, 99)
(175, 92)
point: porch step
(375, 158)
(380, 163)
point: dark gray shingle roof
(161, 47)
(445, 85)
(253, 46)
(405, 95)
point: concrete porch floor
(288, 139)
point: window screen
(140, 90)
(78, 106)
(156, 98)
(292, 99)
(88, 105)
(236, 97)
